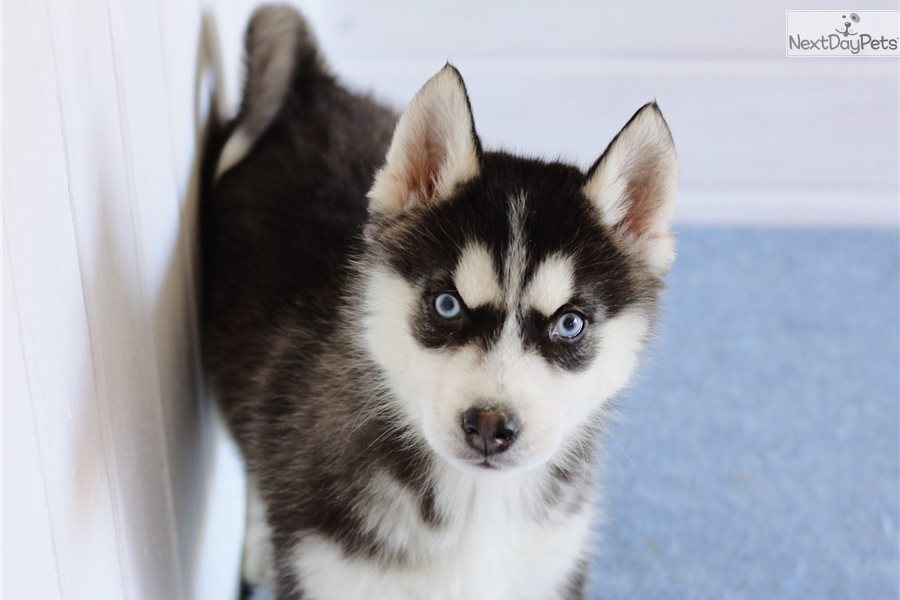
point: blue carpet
(758, 455)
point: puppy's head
(508, 299)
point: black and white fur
(328, 230)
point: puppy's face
(508, 299)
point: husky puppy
(414, 339)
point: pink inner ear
(644, 198)
(424, 163)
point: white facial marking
(552, 285)
(433, 386)
(515, 261)
(622, 339)
(475, 277)
(390, 300)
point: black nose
(489, 431)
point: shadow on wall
(161, 487)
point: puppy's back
(286, 201)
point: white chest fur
(491, 546)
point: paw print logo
(848, 23)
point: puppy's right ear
(434, 149)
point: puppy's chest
(485, 543)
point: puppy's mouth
(510, 461)
(486, 463)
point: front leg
(257, 569)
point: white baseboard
(790, 208)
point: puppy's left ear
(633, 186)
(434, 149)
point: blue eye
(569, 325)
(447, 305)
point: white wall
(116, 481)
(110, 462)
(761, 138)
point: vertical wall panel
(29, 569)
(107, 217)
(44, 271)
(164, 300)
(117, 484)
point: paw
(257, 565)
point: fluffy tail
(280, 50)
